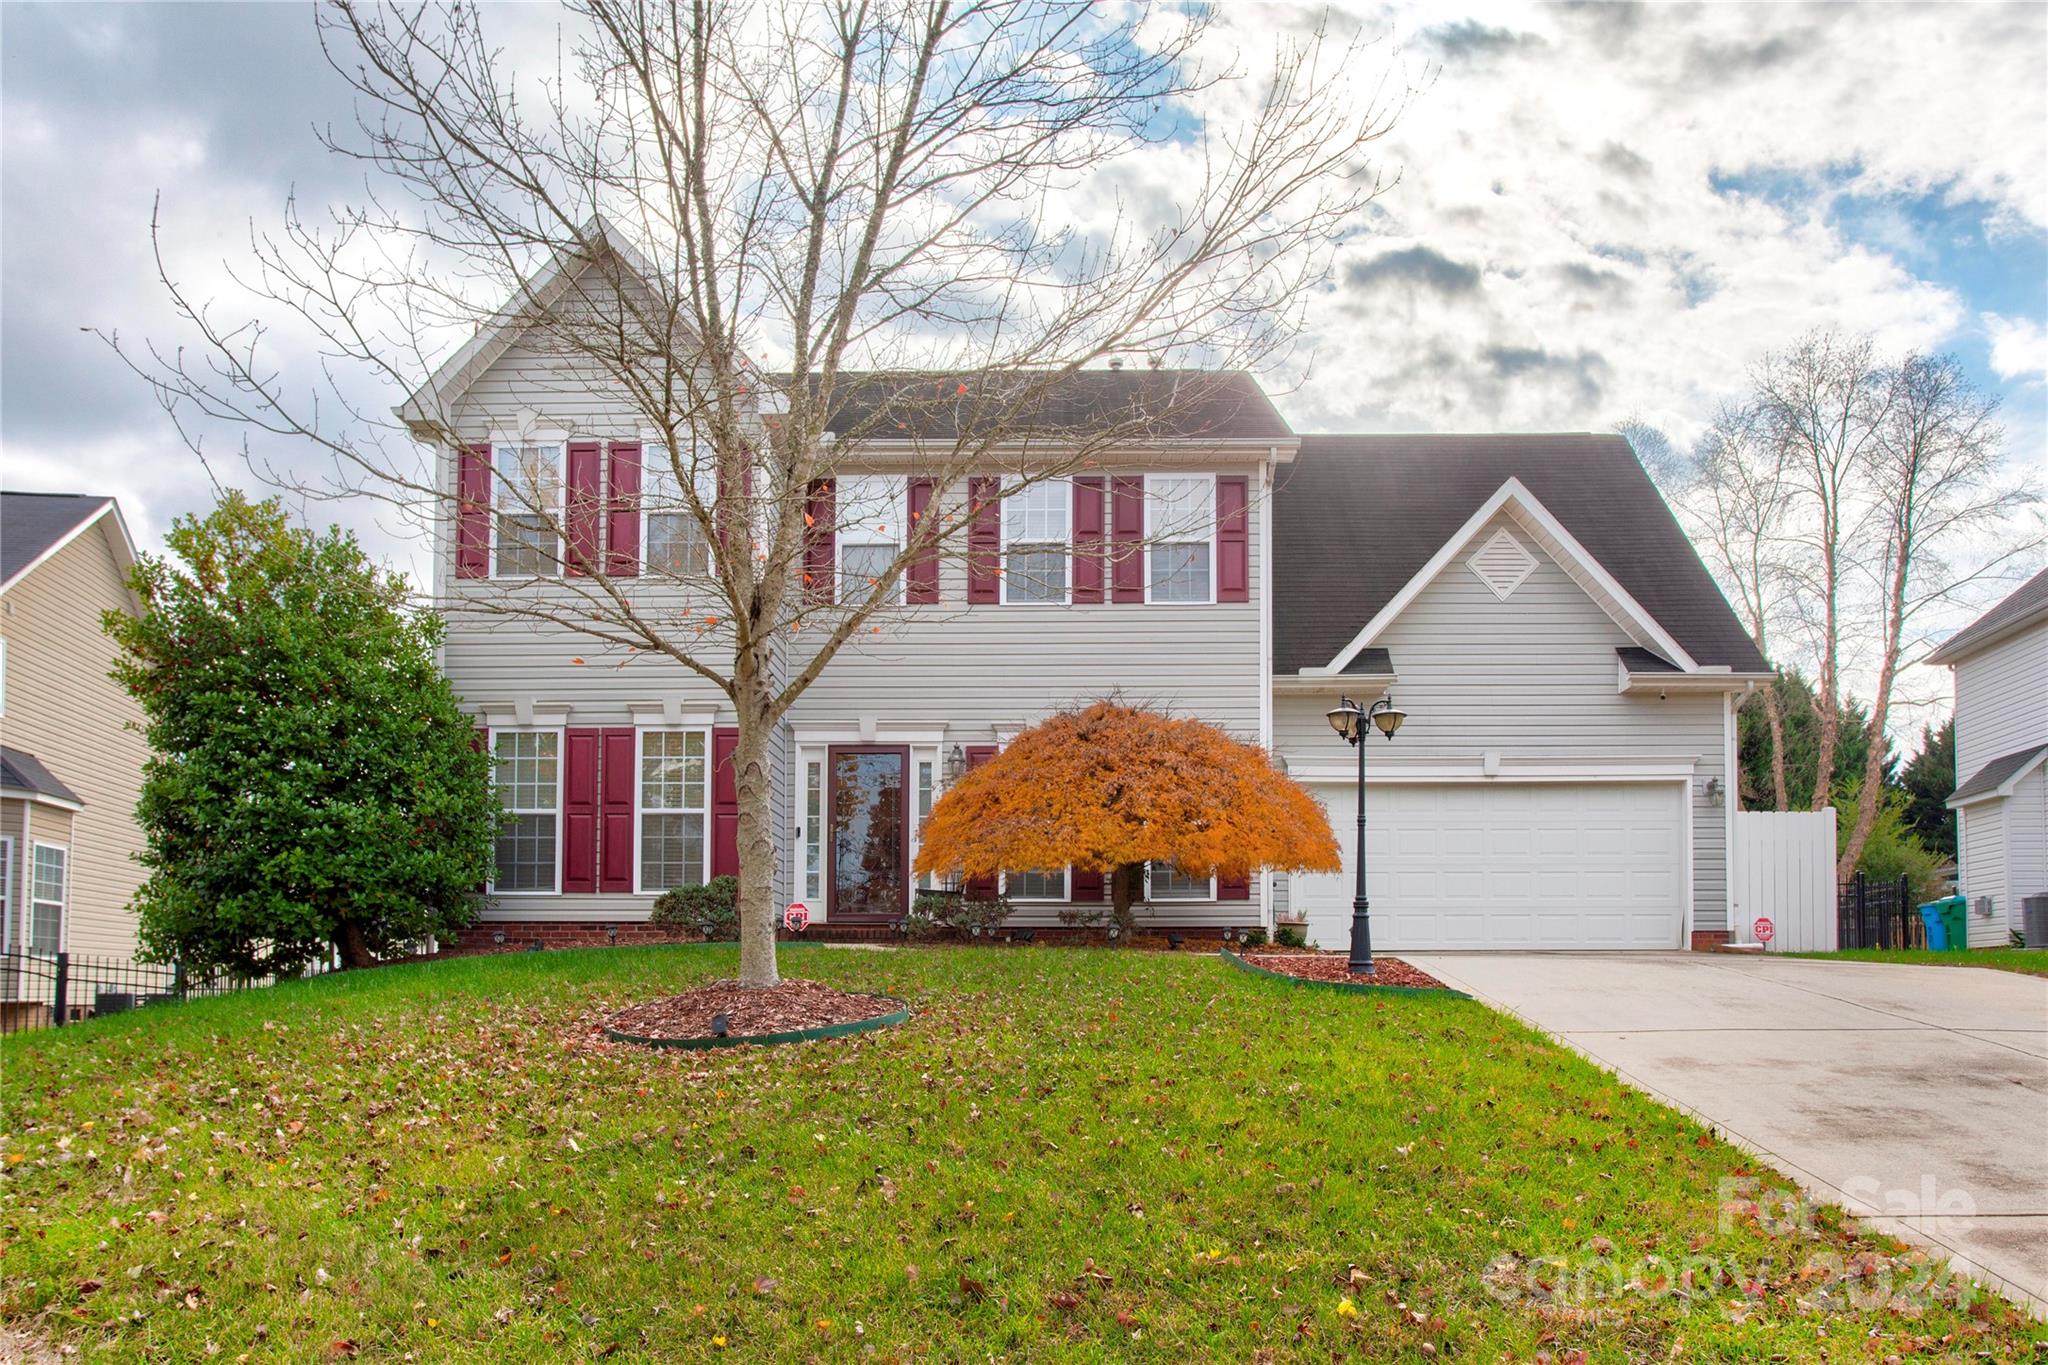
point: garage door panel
(1509, 866)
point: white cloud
(2019, 348)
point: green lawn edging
(1348, 987)
(900, 1015)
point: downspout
(1265, 659)
(1731, 804)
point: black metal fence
(1879, 915)
(39, 990)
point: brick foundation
(1707, 940)
(521, 936)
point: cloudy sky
(1603, 211)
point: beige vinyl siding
(63, 708)
(1531, 677)
(1981, 841)
(2001, 700)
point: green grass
(2031, 962)
(1066, 1154)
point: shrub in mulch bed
(1309, 965)
(792, 1007)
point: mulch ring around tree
(789, 1012)
(1335, 967)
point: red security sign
(797, 918)
(1765, 930)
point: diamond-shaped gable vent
(1502, 564)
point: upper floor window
(870, 533)
(529, 787)
(1180, 530)
(675, 818)
(530, 511)
(1037, 529)
(676, 541)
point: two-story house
(1570, 668)
(2000, 662)
(71, 765)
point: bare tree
(933, 215)
(1938, 491)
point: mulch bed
(1315, 966)
(749, 1010)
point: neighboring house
(2001, 800)
(1568, 665)
(71, 766)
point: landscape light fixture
(721, 1026)
(1354, 722)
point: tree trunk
(354, 949)
(1123, 884)
(1774, 716)
(755, 788)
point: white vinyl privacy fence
(1784, 871)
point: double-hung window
(530, 789)
(1036, 886)
(1165, 882)
(675, 820)
(49, 865)
(677, 542)
(870, 534)
(530, 511)
(1180, 531)
(1037, 531)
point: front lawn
(2032, 962)
(1066, 1154)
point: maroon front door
(868, 796)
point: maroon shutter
(1237, 888)
(725, 803)
(923, 575)
(1088, 545)
(579, 811)
(617, 783)
(1087, 882)
(473, 512)
(980, 888)
(1233, 544)
(984, 541)
(622, 511)
(819, 542)
(585, 504)
(1127, 535)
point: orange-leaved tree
(1113, 787)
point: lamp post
(1354, 722)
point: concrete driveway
(1916, 1097)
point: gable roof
(2025, 604)
(23, 773)
(1999, 776)
(1357, 518)
(35, 526)
(1178, 405)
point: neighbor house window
(529, 787)
(1036, 886)
(1180, 528)
(1165, 882)
(48, 865)
(1037, 527)
(870, 532)
(674, 815)
(530, 511)
(676, 541)
(814, 830)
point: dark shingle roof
(1356, 517)
(1372, 661)
(2026, 600)
(24, 772)
(1636, 659)
(31, 523)
(1225, 405)
(1998, 772)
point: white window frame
(502, 476)
(706, 472)
(891, 532)
(561, 778)
(1176, 900)
(641, 811)
(31, 901)
(1066, 890)
(811, 798)
(6, 893)
(1005, 541)
(1152, 542)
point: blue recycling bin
(1937, 932)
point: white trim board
(1518, 502)
(1649, 769)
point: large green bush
(709, 908)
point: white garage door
(1496, 865)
